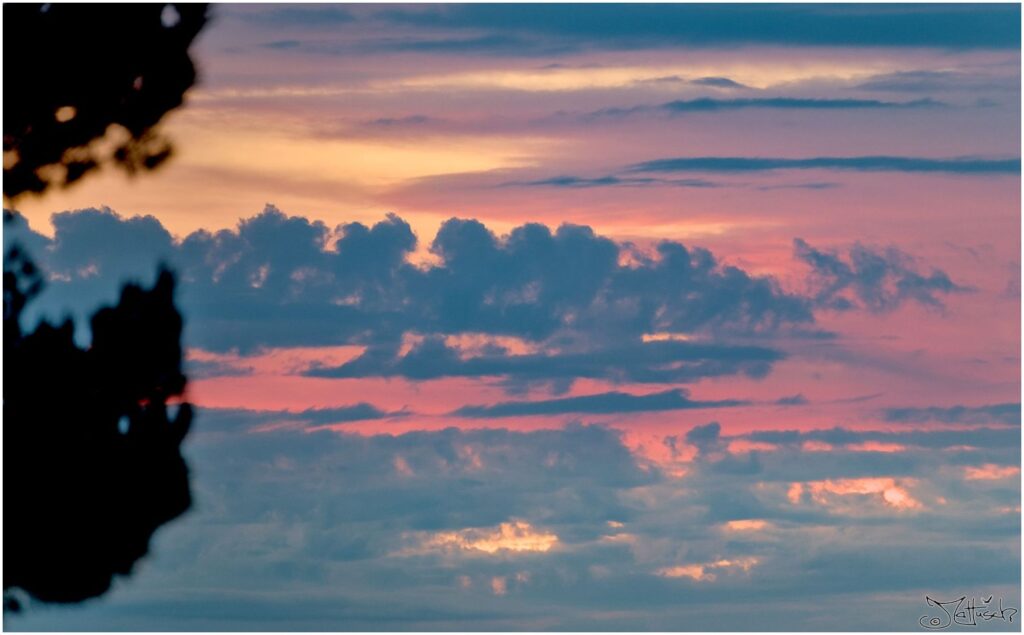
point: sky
(562, 317)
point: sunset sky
(592, 317)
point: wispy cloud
(604, 403)
(954, 165)
(711, 104)
(993, 413)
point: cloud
(995, 413)
(710, 104)
(990, 472)
(792, 400)
(410, 120)
(954, 165)
(238, 419)
(326, 518)
(875, 279)
(603, 403)
(717, 82)
(636, 362)
(280, 280)
(925, 81)
(708, 571)
(655, 26)
(515, 536)
(813, 185)
(579, 309)
(706, 438)
(891, 493)
(569, 181)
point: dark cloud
(569, 181)
(711, 104)
(717, 82)
(638, 362)
(239, 419)
(955, 165)
(995, 413)
(282, 44)
(936, 81)
(279, 280)
(653, 26)
(706, 438)
(813, 185)
(707, 104)
(875, 279)
(603, 403)
(327, 518)
(303, 15)
(496, 45)
(792, 400)
(410, 120)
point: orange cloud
(990, 472)
(795, 493)
(893, 494)
(513, 536)
(499, 586)
(749, 524)
(706, 572)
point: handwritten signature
(965, 612)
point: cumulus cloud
(279, 280)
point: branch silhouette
(87, 85)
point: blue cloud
(955, 165)
(327, 518)
(571, 182)
(636, 362)
(711, 104)
(921, 81)
(603, 403)
(651, 26)
(717, 82)
(995, 413)
(238, 419)
(875, 279)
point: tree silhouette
(92, 464)
(87, 84)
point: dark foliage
(76, 72)
(92, 462)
